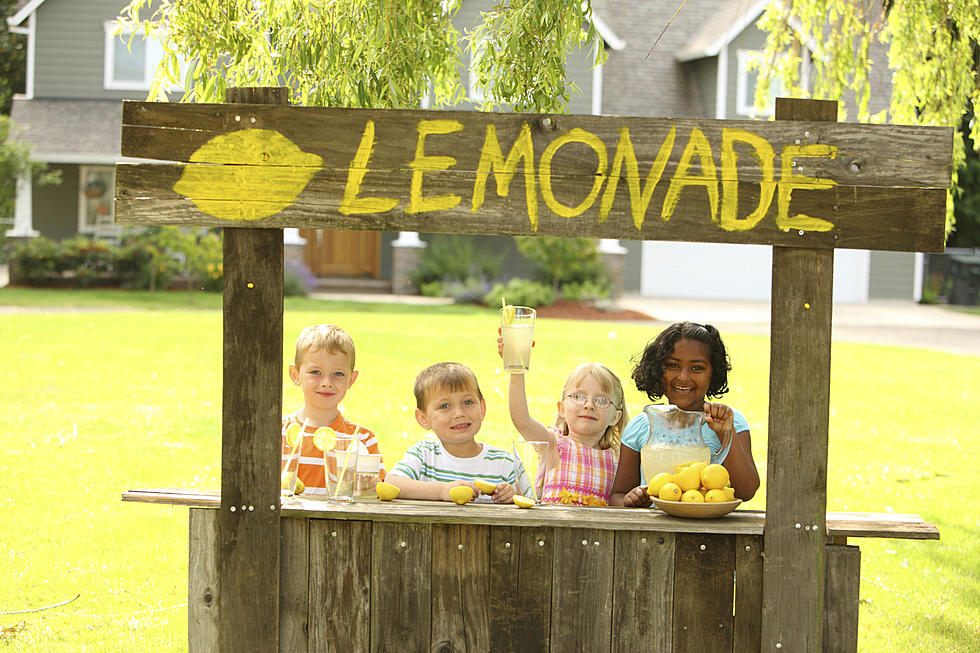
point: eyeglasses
(580, 399)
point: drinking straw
(350, 450)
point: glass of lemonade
(532, 458)
(340, 462)
(517, 329)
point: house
(692, 64)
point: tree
(13, 59)
(559, 258)
(15, 162)
(933, 55)
(364, 53)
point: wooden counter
(433, 576)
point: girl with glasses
(582, 448)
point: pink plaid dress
(582, 476)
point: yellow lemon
(714, 477)
(461, 494)
(730, 493)
(692, 496)
(658, 481)
(698, 466)
(293, 434)
(681, 466)
(716, 496)
(300, 487)
(670, 492)
(262, 173)
(523, 502)
(285, 480)
(386, 491)
(324, 438)
(485, 486)
(687, 479)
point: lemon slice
(507, 315)
(324, 438)
(485, 486)
(461, 494)
(523, 502)
(299, 487)
(386, 491)
(293, 434)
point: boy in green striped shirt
(449, 402)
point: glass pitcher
(675, 439)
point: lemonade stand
(268, 574)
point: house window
(95, 190)
(130, 64)
(746, 83)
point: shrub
(468, 291)
(455, 258)
(586, 291)
(296, 280)
(521, 292)
(559, 261)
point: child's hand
(637, 498)
(448, 485)
(719, 417)
(504, 493)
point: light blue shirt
(637, 432)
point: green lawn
(96, 402)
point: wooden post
(251, 414)
(799, 411)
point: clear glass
(517, 330)
(340, 467)
(674, 440)
(532, 458)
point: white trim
(408, 239)
(610, 246)
(83, 172)
(596, 80)
(152, 56)
(30, 32)
(721, 86)
(27, 10)
(744, 96)
(290, 236)
(736, 28)
(606, 33)
(917, 269)
(24, 210)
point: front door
(342, 253)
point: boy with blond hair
(323, 368)
(449, 402)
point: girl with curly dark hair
(686, 363)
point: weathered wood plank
(581, 589)
(703, 593)
(460, 588)
(842, 599)
(294, 584)
(203, 588)
(799, 414)
(401, 590)
(867, 155)
(520, 589)
(748, 593)
(898, 219)
(340, 586)
(251, 413)
(643, 592)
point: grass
(97, 402)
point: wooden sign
(802, 184)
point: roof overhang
(731, 19)
(24, 9)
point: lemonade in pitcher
(656, 457)
(674, 440)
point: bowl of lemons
(696, 490)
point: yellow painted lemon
(692, 496)
(260, 173)
(293, 434)
(386, 491)
(687, 479)
(658, 481)
(670, 492)
(461, 494)
(523, 502)
(714, 477)
(485, 486)
(324, 438)
(716, 496)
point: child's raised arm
(530, 429)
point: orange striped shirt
(311, 466)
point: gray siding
(70, 50)
(892, 275)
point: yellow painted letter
(698, 146)
(351, 203)
(625, 154)
(764, 156)
(492, 160)
(575, 135)
(421, 163)
(788, 181)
